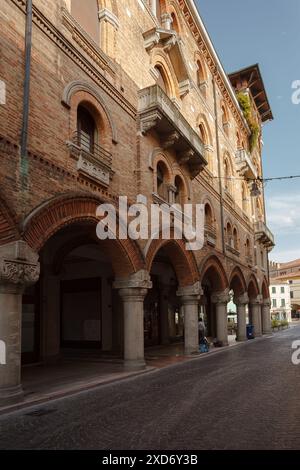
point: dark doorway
(31, 325)
(81, 325)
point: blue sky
(268, 32)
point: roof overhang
(250, 77)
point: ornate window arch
(225, 118)
(245, 198)
(227, 173)
(202, 81)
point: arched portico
(216, 297)
(239, 288)
(176, 292)
(255, 303)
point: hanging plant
(245, 104)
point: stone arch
(8, 226)
(187, 189)
(212, 269)
(202, 119)
(155, 157)
(183, 261)
(66, 210)
(173, 8)
(253, 288)
(87, 92)
(160, 59)
(198, 58)
(237, 282)
(206, 201)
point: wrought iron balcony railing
(92, 160)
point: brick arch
(237, 282)
(8, 226)
(212, 269)
(265, 289)
(202, 120)
(253, 288)
(72, 209)
(183, 261)
(79, 91)
(161, 59)
(173, 8)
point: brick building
(126, 98)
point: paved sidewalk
(82, 371)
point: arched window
(235, 239)
(86, 14)
(201, 78)
(225, 120)
(229, 236)
(203, 134)
(175, 25)
(86, 129)
(248, 248)
(227, 175)
(161, 186)
(209, 220)
(161, 80)
(179, 191)
(262, 257)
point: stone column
(19, 268)
(164, 315)
(133, 292)
(255, 305)
(190, 298)
(266, 317)
(241, 303)
(221, 300)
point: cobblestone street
(241, 398)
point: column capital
(242, 299)
(257, 301)
(266, 303)
(19, 264)
(138, 280)
(221, 298)
(194, 290)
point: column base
(190, 352)
(11, 395)
(131, 366)
(241, 339)
(270, 332)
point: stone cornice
(76, 56)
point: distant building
(288, 273)
(280, 300)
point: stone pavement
(243, 397)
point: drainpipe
(26, 97)
(219, 167)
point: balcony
(93, 161)
(245, 165)
(264, 235)
(157, 111)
